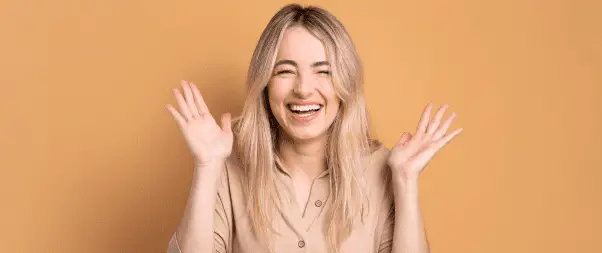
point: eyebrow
(291, 62)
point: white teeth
(304, 108)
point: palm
(412, 153)
(206, 140)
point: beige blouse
(303, 231)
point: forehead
(298, 44)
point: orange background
(91, 161)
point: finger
(189, 99)
(179, 119)
(199, 101)
(404, 139)
(226, 123)
(443, 128)
(436, 120)
(424, 119)
(182, 104)
(445, 140)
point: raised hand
(207, 142)
(412, 153)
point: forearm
(195, 232)
(409, 235)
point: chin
(305, 134)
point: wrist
(208, 170)
(402, 176)
(405, 186)
(198, 164)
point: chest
(304, 229)
(308, 236)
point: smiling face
(301, 93)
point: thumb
(405, 137)
(227, 123)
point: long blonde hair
(349, 139)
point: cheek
(276, 93)
(327, 90)
(335, 105)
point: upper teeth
(304, 107)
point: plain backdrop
(91, 161)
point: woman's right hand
(207, 142)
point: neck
(308, 156)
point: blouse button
(318, 203)
(301, 244)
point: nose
(304, 86)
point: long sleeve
(386, 241)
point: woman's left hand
(412, 153)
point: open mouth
(304, 110)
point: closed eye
(285, 72)
(325, 72)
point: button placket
(319, 196)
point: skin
(302, 75)
(210, 145)
(297, 78)
(407, 160)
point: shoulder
(376, 167)
(378, 151)
(231, 183)
(233, 166)
(231, 173)
(377, 159)
(233, 163)
(377, 179)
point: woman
(298, 171)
